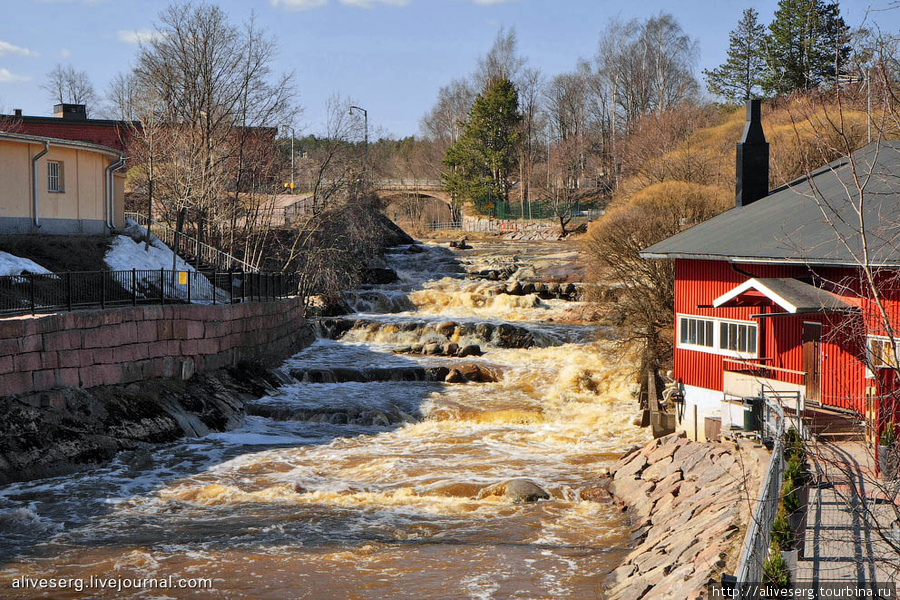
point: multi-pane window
(54, 176)
(737, 337)
(882, 353)
(717, 336)
(697, 332)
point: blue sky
(390, 56)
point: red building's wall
(843, 382)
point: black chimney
(70, 112)
(752, 180)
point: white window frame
(58, 177)
(705, 321)
(886, 341)
(716, 347)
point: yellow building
(59, 187)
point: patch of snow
(15, 265)
(126, 254)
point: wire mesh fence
(755, 548)
(30, 293)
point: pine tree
(481, 162)
(741, 75)
(805, 41)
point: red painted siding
(698, 283)
(842, 377)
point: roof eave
(817, 262)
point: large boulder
(516, 490)
(470, 350)
(446, 329)
(377, 276)
(475, 373)
(513, 336)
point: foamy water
(367, 490)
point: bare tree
(217, 96)
(65, 85)
(501, 62)
(121, 98)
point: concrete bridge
(390, 188)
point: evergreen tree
(805, 41)
(741, 75)
(481, 162)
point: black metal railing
(29, 293)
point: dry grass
(59, 253)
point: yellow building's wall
(84, 190)
(15, 175)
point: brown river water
(367, 490)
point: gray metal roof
(793, 295)
(813, 220)
(37, 139)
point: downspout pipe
(110, 194)
(34, 187)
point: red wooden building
(772, 295)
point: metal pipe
(109, 190)
(34, 187)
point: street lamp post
(292, 160)
(366, 126)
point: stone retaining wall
(688, 505)
(124, 345)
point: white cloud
(65, 53)
(135, 36)
(7, 49)
(298, 4)
(7, 76)
(370, 3)
(310, 4)
(89, 2)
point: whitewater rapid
(371, 489)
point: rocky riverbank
(689, 506)
(67, 429)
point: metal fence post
(230, 286)
(190, 276)
(214, 288)
(31, 291)
(69, 291)
(102, 291)
(243, 286)
(134, 287)
(162, 286)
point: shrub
(782, 534)
(888, 436)
(793, 445)
(797, 471)
(790, 499)
(775, 570)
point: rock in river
(516, 490)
